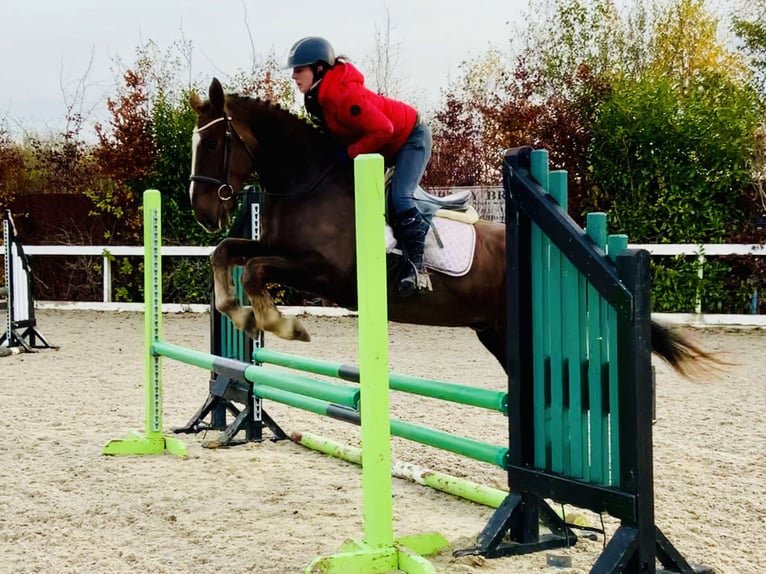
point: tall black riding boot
(411, 234)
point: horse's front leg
(260, 270)
(229, 253)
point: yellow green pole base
(136, 443)
(406, 555)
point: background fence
(91, 264)
(107, 254)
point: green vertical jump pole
(378, 552)
(377, 489)
(153, 441)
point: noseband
(225, 190)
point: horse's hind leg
(494, 341)
(264, 312)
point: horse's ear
(216, 95)
(195, 102)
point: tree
(11, 169)
(172, 123)
(384, 61)
(456, 157)
(467, 147)
(749, 23)
(560, 36)
(750, 27)
(265, 80)
(125, 156)
(675, 175)
(652, 116)
(684, 45)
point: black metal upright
(21, 324)
(228, 396)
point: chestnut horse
(307, 230)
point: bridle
(225, 190)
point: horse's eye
(209, 144)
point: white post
(107, 271)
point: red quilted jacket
(364, 121)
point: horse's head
(221, 160)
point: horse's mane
(293, 154)
(296, 128)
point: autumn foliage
(656, 120)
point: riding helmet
(310, 50)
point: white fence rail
(701, 252)
(108, 252)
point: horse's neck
(291, 154)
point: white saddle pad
(459, 240)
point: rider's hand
(341, 155)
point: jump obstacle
(21, 332)
(579, 400)
(225, 392)
(580, 377)
(378, 551)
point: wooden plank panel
(596, 230)
(559, 436)
(615, 244)
(540, 248)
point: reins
(309, 188)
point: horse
(307, 237)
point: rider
(336, 98)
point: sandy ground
(270, 508)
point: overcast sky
(48, 43)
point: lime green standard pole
(373, 351)
(378, 552)
(153, 441)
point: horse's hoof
(302, 335)
(291, 329)
(299, 333)
(213, 443)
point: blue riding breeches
(410, 164)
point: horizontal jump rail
(261, 376)
(464, 446)
(463, 488)
(315, 396)
(456, 393)
(441, 481)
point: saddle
(456, 206)
(451, 238)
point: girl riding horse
(365, 122)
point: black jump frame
(638, 544)
(21, 325)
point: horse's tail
(686, 357)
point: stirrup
(414, 282)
